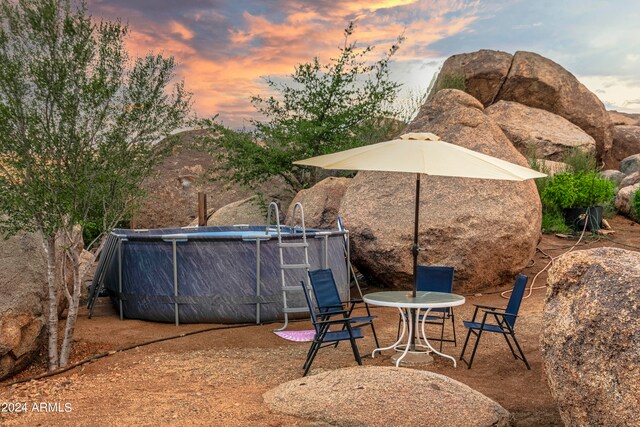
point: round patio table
(403, 300)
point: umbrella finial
(420, 136)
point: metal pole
(175, 282)
(325, 263)
(120, 277)
(416, 249)
(258, 281)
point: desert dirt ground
(218, 377)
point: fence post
(202, 209)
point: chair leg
(464, 347)
(442, 334)
(524, 359)
(354, 347)
(506, 338)
(475, 347)
(375, 337)
(312, 355)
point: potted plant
(580, 195)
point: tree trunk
(49, 243)
(71, 250)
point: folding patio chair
(328, 299)
(505, 321)
(436, 279)
(324, 337)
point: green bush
(580, 161)
(582, 189)
(635, 205)
(452, 81)
(553, 222)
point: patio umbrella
(422, 153)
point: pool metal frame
(117, 239)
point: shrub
(635, 205)
(582, 189)
(553, 222)
(452, 81)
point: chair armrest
(332, 306)
(344, 320)
(496, 313)
(488, 307)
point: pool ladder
(304, 265)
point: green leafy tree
(321, 108)
(79, 121)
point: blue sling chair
(328, 299)
(322, 321)
(436, 279)
(505, 321)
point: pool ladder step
(295, 288)
(296, 310)
(293, 245)
(295, 267)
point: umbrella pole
(415, 249)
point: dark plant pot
(575, 217)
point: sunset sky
(225, 47)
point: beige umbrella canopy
(422, 153)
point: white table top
(423, 299)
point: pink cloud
(223, 77)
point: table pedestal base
(412, 359)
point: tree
(79, 123)
(322, 108)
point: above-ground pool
(215, 274)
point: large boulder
(630, 164)
(368, 396)
(484, 72)
(613, 175)
(590, 337)
(630, 179)
(172, 191)
(23, 269)
(539, 82)
(623, 199)
(551, 168)
(246, 211)
(626, 142)
(24, 305)
(487, 230)
(321, 203)
(550, 135)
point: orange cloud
(181, 30)
(224, 77)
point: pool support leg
(175, 281)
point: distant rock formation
(590, 337)
(487, 230)
(171, 199)
(532, 80)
